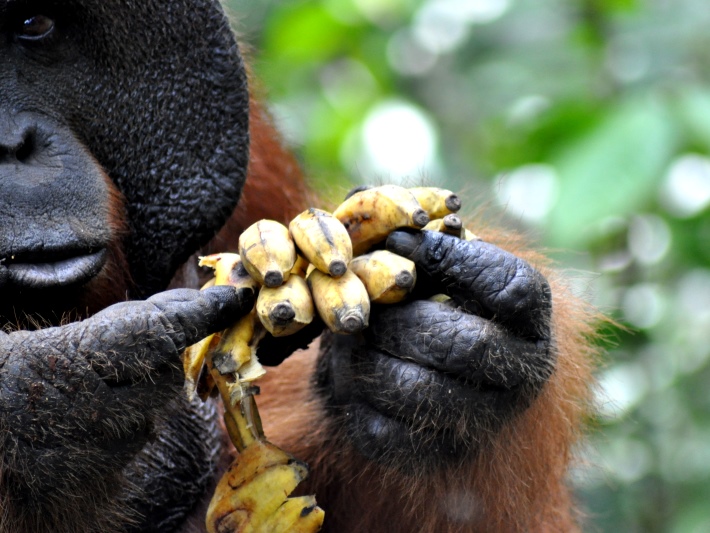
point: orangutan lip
(74, 270)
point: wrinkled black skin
(428, 381)
(152, 96)
(98, 384)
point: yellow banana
(388, 277)
(341, 302)
(323, 240)
(252, 496)
(194, 360)
(450, 224)
(470, 236)
(268, 252)
(372, 214)
(233, 349)
(229, 269)
(296, 515)
(300, 268)
(236, 350)
(435, 201)
(286, 309)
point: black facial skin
(54, 210)
(158, 101)
(428, 380)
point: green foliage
(588, 121)
(620, 161)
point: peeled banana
(388, 277)
(227, 354)
(252, 496)
(236, 350)
(342, 303)
(323, 240)
(268, 252)
(372, 214)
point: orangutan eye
(36, 28)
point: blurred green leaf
(305, 32)
(613, 170)
(693, 107)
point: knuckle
(520, 288)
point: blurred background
(586, 123)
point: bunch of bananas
(321, 263)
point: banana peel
(372, 214)
(253, 495)
(388, 277)
(323, 240)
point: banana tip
(282, 314)
(273, 278)
(404, 280)
(452, 203)
(453, 222)
(337, 268)
(352, 324)
(420, 218)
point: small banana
(372, 214)
(341, 302)
(388, 277)
(235, 347)
(323, 240)
(435, 201)
(286, 309)
(268, 252)
(252, 496)
(450, 224)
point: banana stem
(242, 419)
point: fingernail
(403, 242)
